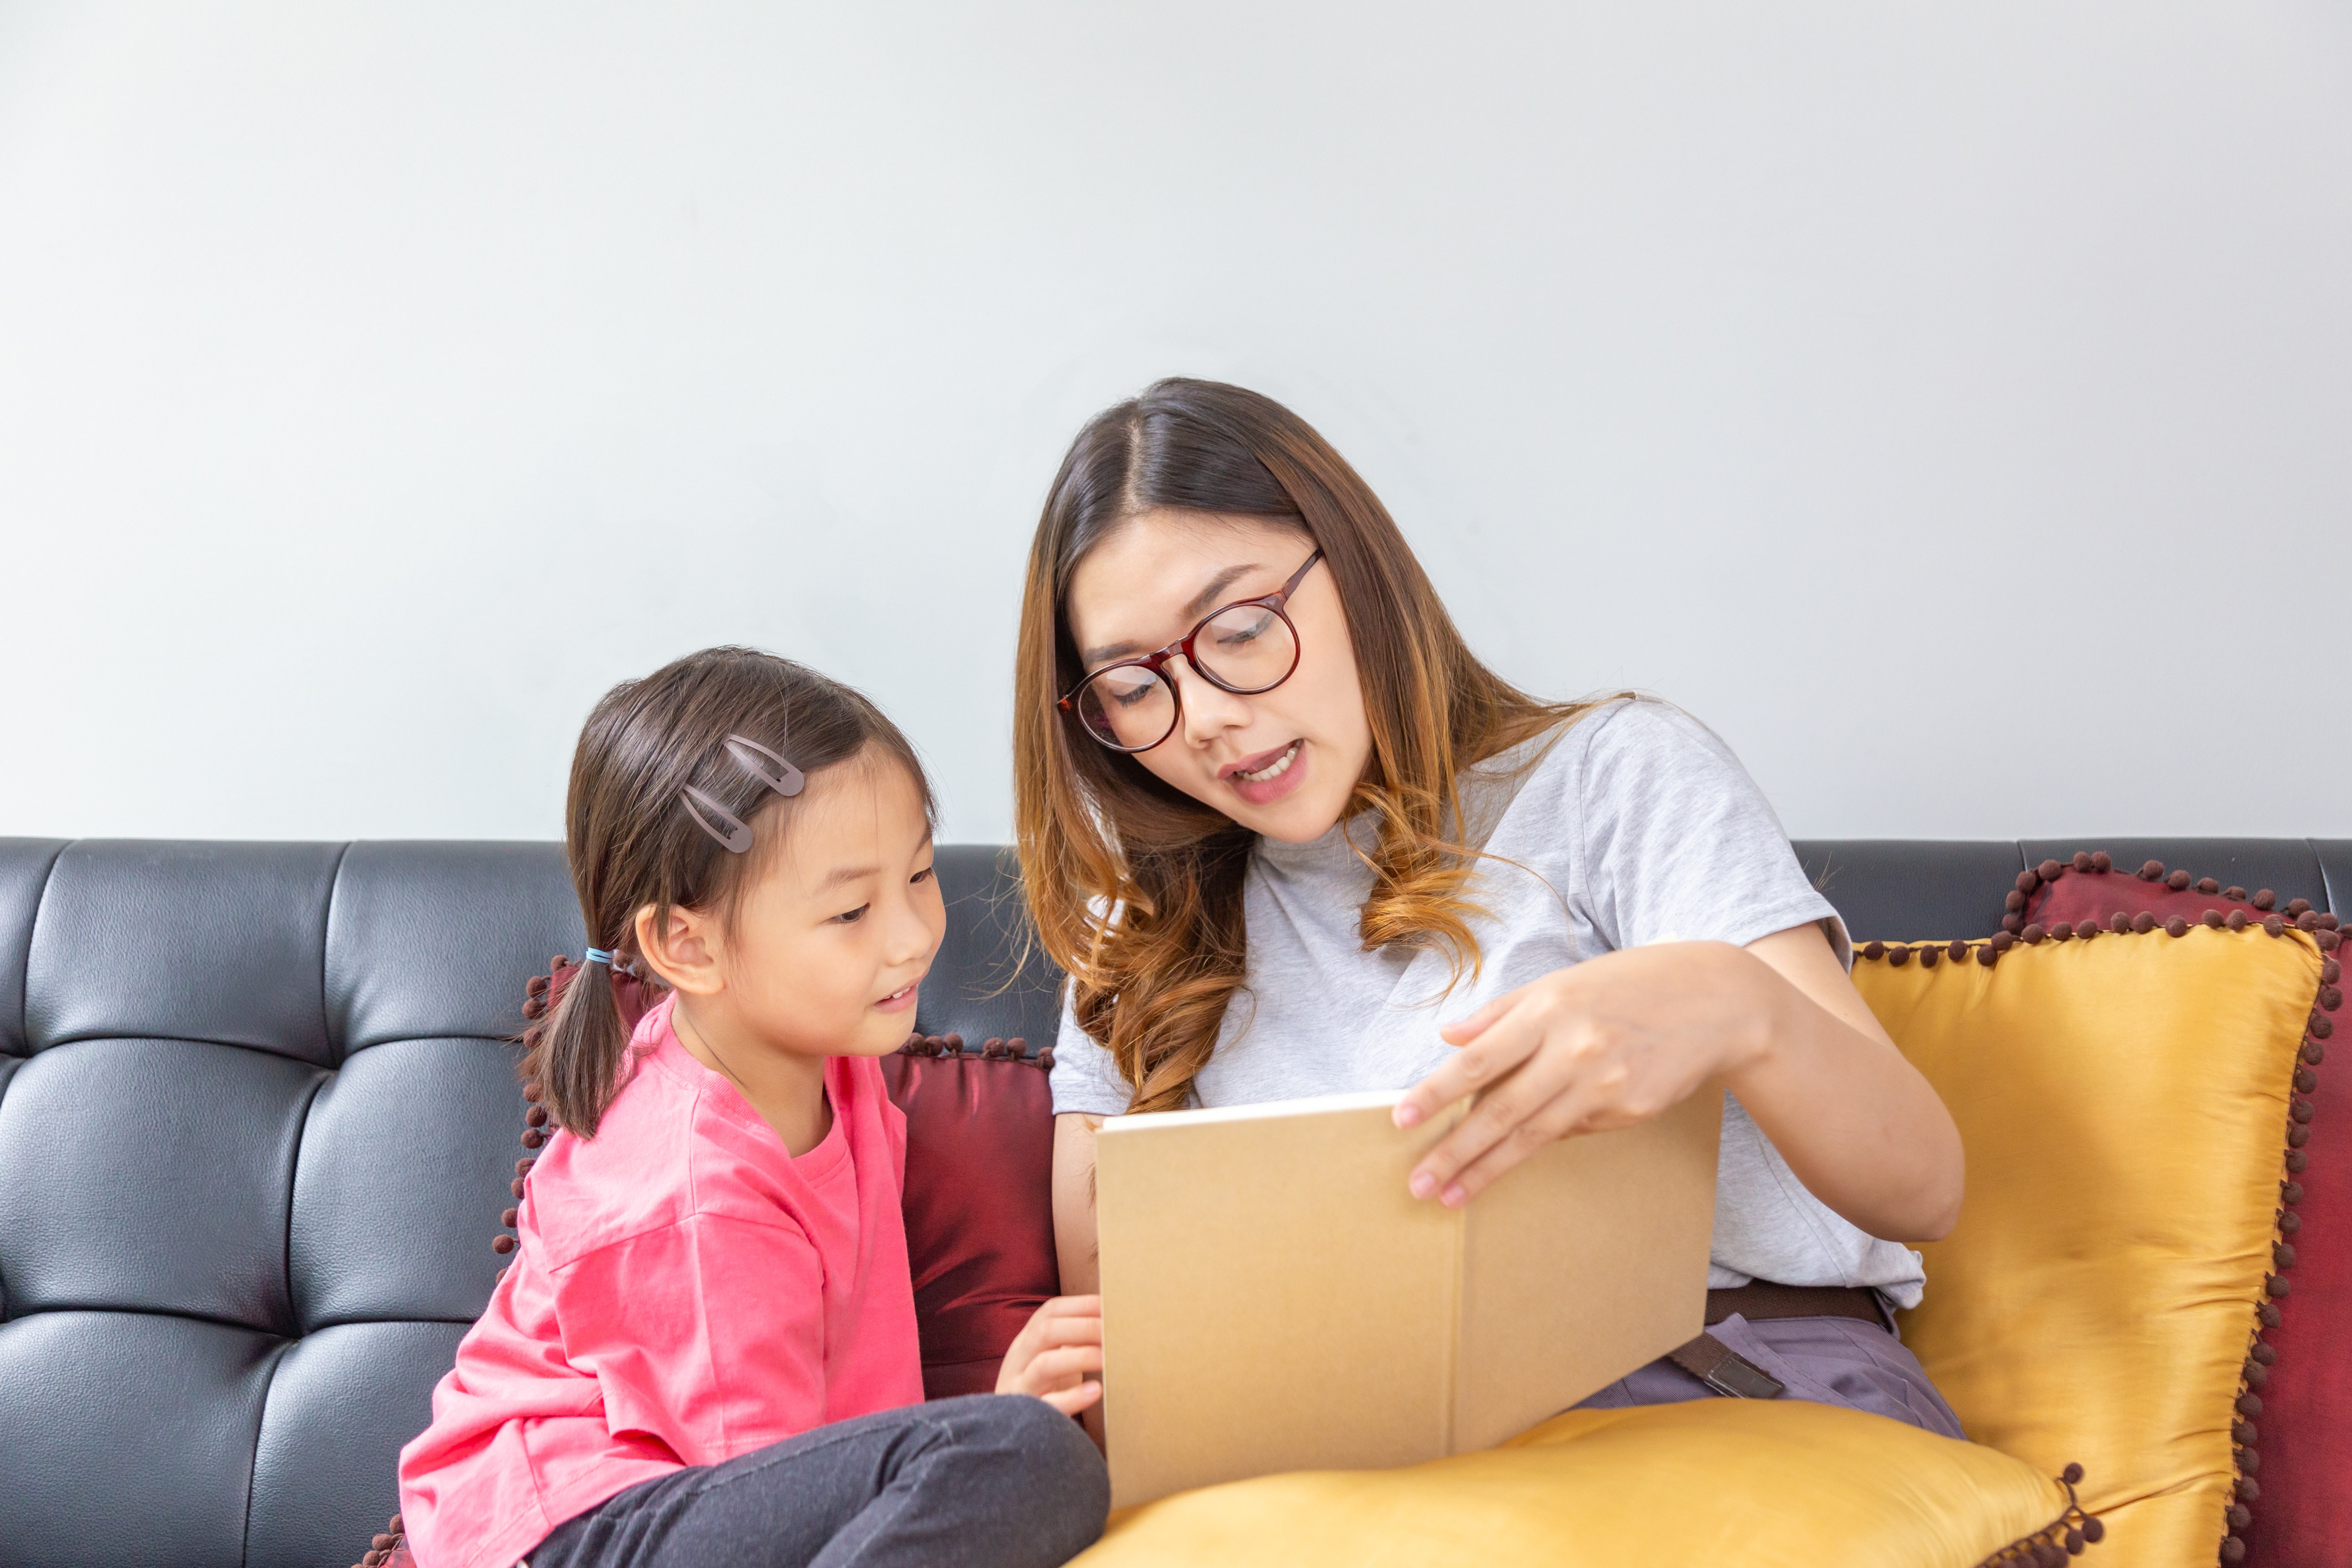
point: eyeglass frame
(1157, 662)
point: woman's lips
(901, 1000)
(1270, 776)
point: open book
(1275, 1300)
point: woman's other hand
(1060, 1344)
(1618, 1039)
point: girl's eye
(920, 878)
(851, 917)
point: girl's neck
(785, 1088)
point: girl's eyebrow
(840, 874)
(1199, 605)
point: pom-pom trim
(2259, 908)
(2066, 1536)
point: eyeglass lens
(1245, 648)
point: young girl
(704, 1352)
(1289, 836)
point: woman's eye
(1243, 637)
(1129, 695)
(851, 917)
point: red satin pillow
(2296, 1456)
(2089, 888)
(979, 1197)
(978, 1203)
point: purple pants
(1831, 1361)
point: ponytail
(578, 1064)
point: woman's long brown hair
(1136, 888)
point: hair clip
(735, 837)
(765, 765)
(762, 764)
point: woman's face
(1281, 763)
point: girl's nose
(1208, 710)
(909, 931)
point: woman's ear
(684, 951)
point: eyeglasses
(1245, 648)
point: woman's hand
(1055, 1349)
(1618, 1039)
(1603, 1044)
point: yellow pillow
(2123, 1104)
(1745, 1483)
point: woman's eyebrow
(1199, 605)
(1205, 600)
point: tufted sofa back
(257, 1117)
(259, 1113)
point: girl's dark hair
(1135, 887)
(632, 844)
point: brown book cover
(1275, 1300)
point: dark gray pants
(991, 1481)
(1833, 1361)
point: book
(1275, 1300)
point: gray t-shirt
(1636, 825)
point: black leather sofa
(258, 1114)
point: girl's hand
(1603, 1044)
(1051, 1355)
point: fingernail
(1423, 1184)
(1408, 1116)
(1454, 1198)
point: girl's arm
(1053, 1353)
(707, 1334)
(1617, 1038)
(1073, 1220)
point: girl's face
(838, 925)
(1281, 763)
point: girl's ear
(685, 953)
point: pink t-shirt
(685, 1291)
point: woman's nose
(1208, 710)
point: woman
(1288, 836)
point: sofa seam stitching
(326, 927)
(24, 996)
(253, 1468)
(24, 979)
(293, 1180)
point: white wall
(1953, 406)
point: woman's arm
(1618, 1039)
(1074, 1221)
(1074, 1204)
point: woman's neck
(785, 1088)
